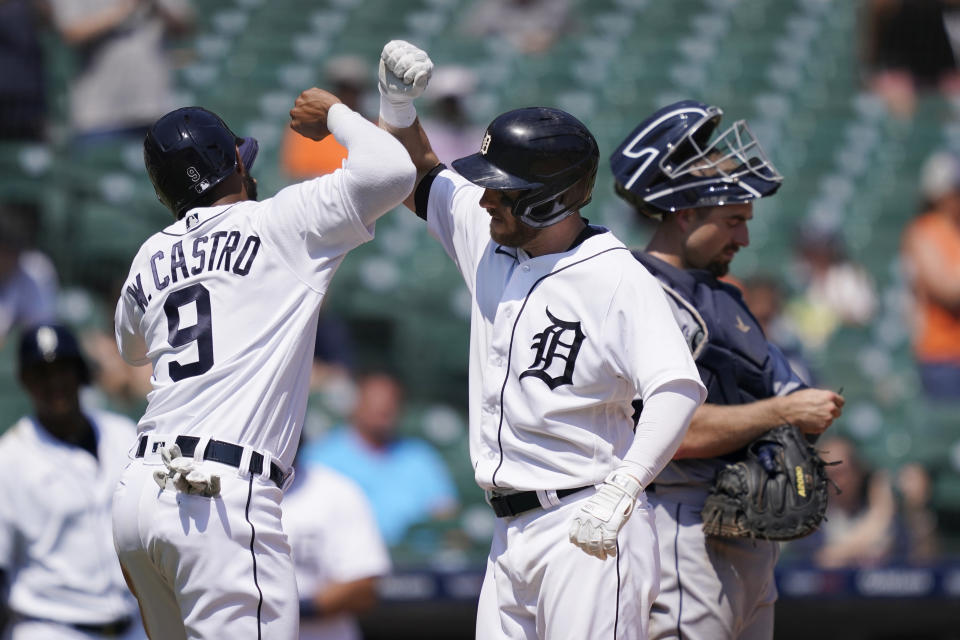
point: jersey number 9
(201, 332)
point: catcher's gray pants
(710, 588)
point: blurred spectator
(338, 552)
(28, 279)
(117, 386)
(833, 290)
(333, 357)
(531, 26)
(23, 99)
(908, 48)
(348, 77)
(58, 469)
(450, 128)
(122, 82)
(860, 525)
(405, 479)
(764, 298)
(931, 259)
(918, 538)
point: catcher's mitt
(777, 492)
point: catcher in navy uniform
(715, 583)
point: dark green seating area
(788, 66)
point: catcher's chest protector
(734, 363)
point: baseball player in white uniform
(224, 304)
(566, 333)
(58, 468)
(338, 552)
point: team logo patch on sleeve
(559, 343)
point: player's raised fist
(405, 70)
(309, 114)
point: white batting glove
(404, 73)
(184, 475)
(595, 526)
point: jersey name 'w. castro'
(218, 251)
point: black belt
(107, 629)
(115, 628)
(516, 503)
(222, 452)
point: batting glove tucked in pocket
(595, 526)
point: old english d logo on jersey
(559, 341)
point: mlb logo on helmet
(485, 144)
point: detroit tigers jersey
(56, 541)
(334, 537)
(233, 292)
(560, 345)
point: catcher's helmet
(668, 162)
(49, 343)
(188, 152)
(539, 150)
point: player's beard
(512, 232)
(718, 269)
(721, 267)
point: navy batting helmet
(188, 152)
(48, 343)
(669, 163)
(541, 151)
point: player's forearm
(378, 173)
(663, 422)
(716, 430)
(414, 140)
(352, 597)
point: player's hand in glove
(309, 114)
(404, 73)
(595, 526)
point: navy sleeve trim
(422, 195)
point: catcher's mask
(669, 163)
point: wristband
(397, 113)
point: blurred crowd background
(853, 267)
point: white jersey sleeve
(642, 336)
(456, 219)
(318, 220)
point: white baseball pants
(539, 585)
(206, 568)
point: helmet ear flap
(539, 151)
